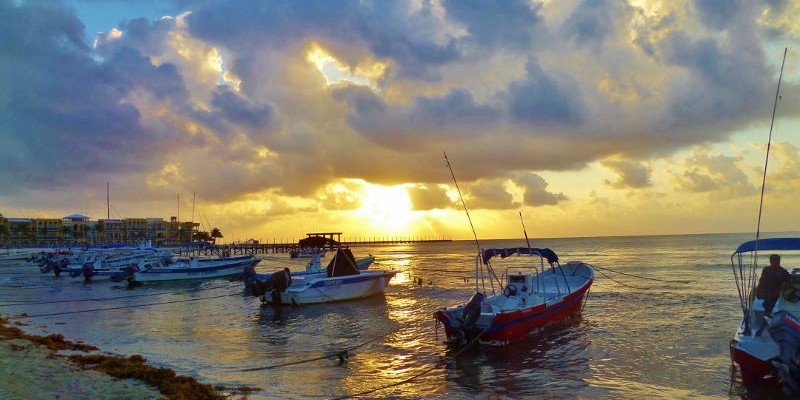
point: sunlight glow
(387, 208)
(334, 71)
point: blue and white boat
(156, 270)
(345, 278)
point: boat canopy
(770, 244)
(550, 255)
(342, 264)
(318, 241)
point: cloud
(428, 197)
(631, 174)
(224, 99)
(536, 193)
(717, 175)
(489, 194)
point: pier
(287, 247)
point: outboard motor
(249, 274)
(277, 282)
(88, 272)
(469, 316)
(784, 330)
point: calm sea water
(636, 338)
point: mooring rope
(639, 276)
(121, 307)
(28, 303)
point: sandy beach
(52, 367)
(32, 371)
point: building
(77, 229)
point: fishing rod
(749, 289)
(466, 210)
(524, 231)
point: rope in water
(638, 276)
(28, 303)
(342, 354)
(122, 307)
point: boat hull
(202, 271)
(754, 370)
(315, 290)
(509, 326)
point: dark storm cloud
(433, 118)
(719, 14)
(239, 110)
(593, 21)
(544, 99)
(388, 29)
(505, 23)
(65, 114)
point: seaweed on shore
(169, 383)
(53, 341)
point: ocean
(657, 324)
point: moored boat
(766, 348)
(156, 270)
(345, 278)
(535, 294)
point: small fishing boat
(535, 293)
(156, 270)
(345, 278)
(766, 346)
(768, 356)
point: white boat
(155, 270)
(343, 279)
(768, 356)
(537, 291)
(766, 348)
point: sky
(271, 119)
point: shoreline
(35, 368)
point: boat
(345, 278)
(306, 252)
(536, 293)
(156, 270)
(766, 346)
(767, 356)
(313, 245)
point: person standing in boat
(772, 280)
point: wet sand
(52, 367)
(32, 371)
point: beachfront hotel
(76, 229)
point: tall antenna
(462, 201)
(108, 202)
(523, 230)
(769, 144)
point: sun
(388, 209)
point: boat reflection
(530, 367)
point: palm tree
(216, 233)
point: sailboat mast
(108, 201)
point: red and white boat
(769, 355)
(534, 294)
